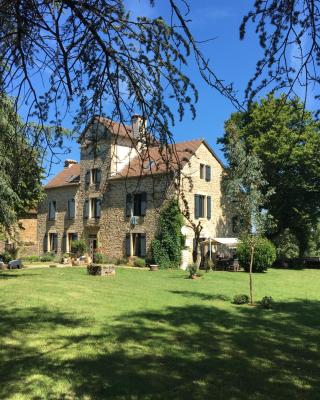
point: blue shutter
(208, 173)
(45, 243)
(98, 175)
(196, 206)
(143, 203)
(128, 204)
(143, 249)
(86, 209)
(98, 208)
(209, 207)
(127, 244)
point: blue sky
(232, 60)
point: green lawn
(157, 335)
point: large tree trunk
(250, 274)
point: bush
(139, 262)
(240, 299)
(99, 258)
(48, 257)
(31, 259)
(121, 261)
(192, 269)
(79, 247)
(264, 254)
(267, 302)
(94, 269)
(52, 266)
(287, 245)
(6, 257)
(159, 255)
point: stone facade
(114, 232)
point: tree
(20, 178)
(243, 187)
(289, 36)
(94, 56)
(285, 137)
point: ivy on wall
(167, 247)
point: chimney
(139, 126)
(68, 163)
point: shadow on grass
(189, 352)
(12, 274)
(201, 296)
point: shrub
(263, 257)
(192, 269)
(6, 257)
(240, 299)
(121, 261)
(79, 247)
(94, 269)
(52, 266)
(99, 258)
(48, 257)
(139, 262)
(159, 255)
(287, 245)
(267, 302)
(31, 259)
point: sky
(231, 59)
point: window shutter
(208, 173)
(98, 208)
(87, 178)
(143, 203)
(45, 243)
(128, 204)
(196, 206)
(86, 209)
(64, 242)
(142, 245)
(127, 244)
(98, 176)
(209, 207)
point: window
(71, 208)
(208, 173)
(199, 206)
(71, 238)
(95, 175)
(53, 242)
(95, 207)
(136, 204)
(201, 171)
(136, 244)
(52, 209)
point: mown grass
(156, 335)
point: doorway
(93, 244)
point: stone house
(112, 197)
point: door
(92, 245)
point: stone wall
(27, 235)
(61, 225)
(219, 225)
